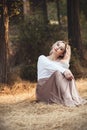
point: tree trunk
(26, 8)
(74, 34)
(44, 12)
(4, 50)
(58, 11)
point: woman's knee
(57, 73)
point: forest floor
(19, 111)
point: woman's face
(59, 48)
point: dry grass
(18, 92)
(17, 111)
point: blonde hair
(56, 43)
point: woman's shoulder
(42, 57)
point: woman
(56, 83)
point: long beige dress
(57, 89)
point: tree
(12, 9)
(74, 34)
(15, 10)
(4, 46)
(26, 8)
(58, 11)
(83, 7)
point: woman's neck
(53, 57)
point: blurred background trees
(74, 32)
(4, 45)
(30, 27)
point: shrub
(29, 72)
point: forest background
(28, 28)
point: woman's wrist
(68, 74)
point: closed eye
(61, 49)
(57, 44)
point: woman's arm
(51, 66)
(66, 59)
(68, 75)
(45, 64)
(67, 56)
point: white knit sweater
(46, 67)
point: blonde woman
(56, 83)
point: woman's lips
(55, 49)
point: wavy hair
(57, 43)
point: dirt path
(22, 114)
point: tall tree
(26, 8)
(4, 47)
(58, 11)
(74, 34)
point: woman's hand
(68, 75)
(67, 55)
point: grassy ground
(18, 110)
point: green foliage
(52, 10)
(83, 7)
(35, 39)
(83, 24)
(76, 64)
(14, 7)
(15, 10)
(29, 72)
(14, 75)
(63, 7)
